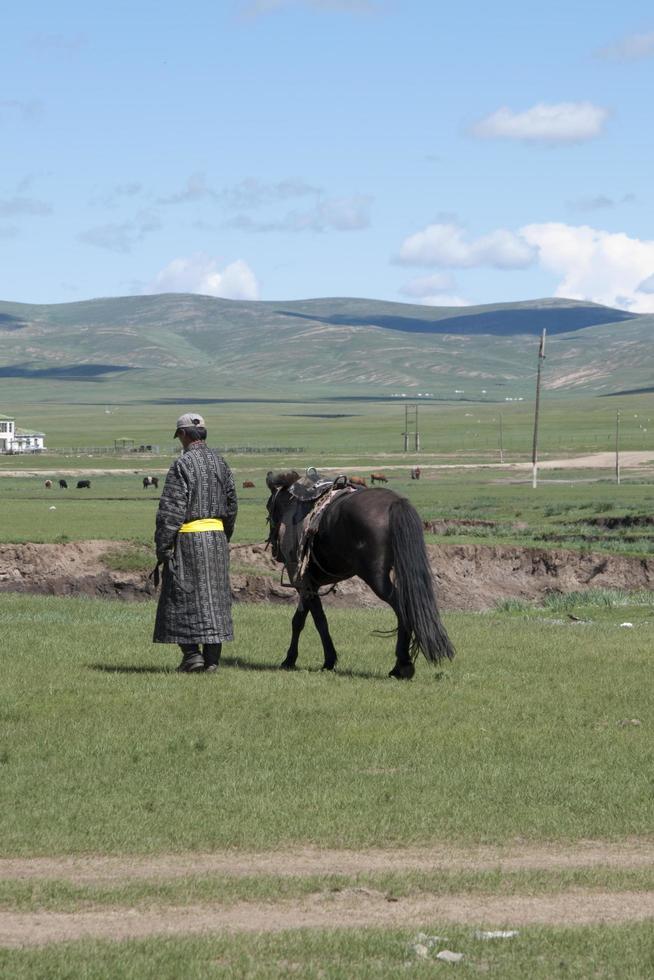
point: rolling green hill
(175, 343)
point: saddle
(312, 487)
(311, 495)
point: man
(195, 521)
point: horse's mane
(280, 479)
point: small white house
(13, 440)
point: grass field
(73, 415)
(538, 735)
(539, 732)
(612, 953)
(105, 749)
(557, 514)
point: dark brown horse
(372, 533)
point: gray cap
(189, 421)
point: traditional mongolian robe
(195, 600)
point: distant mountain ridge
(336, 345)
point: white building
(13, 440)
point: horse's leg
(297, 625)
(320, 621)
(381, 584)
(404, 668)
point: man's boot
(192, 659)
(211, 653)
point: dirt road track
(307, 861)
(353, 907)
(628, 460)
(350, 909)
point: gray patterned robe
(195, 600)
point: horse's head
(278, 483)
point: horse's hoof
(328, 667)
(285, 665)
(404, 673)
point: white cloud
(25, 109)
(596, 265)
(562, 122)
(425, 285)
(434, 290)
(634, 47)
(600, 202)
(446, 245)
(647, 285)
(336, 214)
(124, 235)
(444, 299)
(200, 273)
(196, 189)
(254, 193)
(14, 206)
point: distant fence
(167, 451)
(104, 451)
(260, 449)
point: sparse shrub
(513, 605)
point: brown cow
(358, 481)
(415, 472)
(48, 484)
(248, 485)
(378, 478)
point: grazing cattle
(248, 485)
(357, 481)
(150, 481)
(378, 478)
(83, 484)
(48, 484)
(63, 485)
(415, 472)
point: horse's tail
(414, 584)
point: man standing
(195, 521)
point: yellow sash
(204, 524)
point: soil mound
(468, 577)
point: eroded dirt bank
(472, 577)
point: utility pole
(617, 447)
(534, 452)
(501, 441)
(411, 427)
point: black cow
(63, 485)
(150, 481)
(83, 484)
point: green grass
(104, 749)
(554, 516)
(72, 415)
(606, 952)
(39, 895)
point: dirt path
(350, 909)
(599, 461)
(354, 907)
(308, 861)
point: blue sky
(283, 149)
